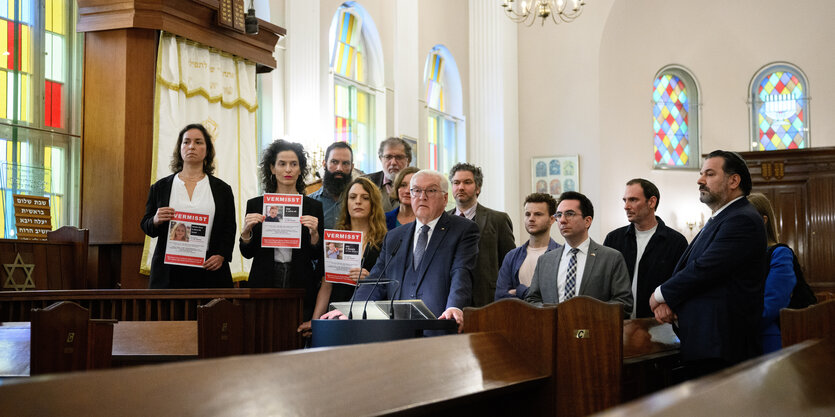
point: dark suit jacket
(496, 241)
(307, 262)
(389, 203)
(604, 277)
(717, 287)
(444, 273)
(657, 263)
(221, 241)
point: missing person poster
(342, 253)
(282, 227)
(188, 239)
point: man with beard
(517, 269)
(715, 296)
(338, 164)
(495, 228)
(395, 154)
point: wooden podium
(120, 52)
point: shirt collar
(724, 207)
(468, 213)
(431, 224)
(584, 248)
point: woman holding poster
(283, 169)
(362, 211)
(194, 195)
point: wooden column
(116, 149)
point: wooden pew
(579, 344)
(514, 365)
(795, 381)
(815, 321)
(60, 262)
(64, 339)
(270, 316)
(220, 329)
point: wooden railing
(270, 316)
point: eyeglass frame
(429, 193)
(569, 214)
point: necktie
(420, 248)
(462, 215)
(571, 275)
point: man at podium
(430, 259)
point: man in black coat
(650, 248)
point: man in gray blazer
(581, 267)
(495, 228)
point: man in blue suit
(715, 295)
(432, 258)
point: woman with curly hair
(192, 188)
(283, 169)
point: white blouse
(202, 201)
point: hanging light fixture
(526, 11)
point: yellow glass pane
(25, 49)
(360, 71)
(48, 10)
(362, 107)
(25, 99)
(4, 44)
(4, 92)
(59, 18)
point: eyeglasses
(568, 214)
(429, 193)
(399, 158)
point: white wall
(586, 87)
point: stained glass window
(39, 154)
(675, 119)
(353, 97)
(780, 109)
(442, 124)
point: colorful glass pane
(780, 116)
(54, 58)
(670, 121)
(52, 104)
(347, 52)
(434, 83)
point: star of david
(10, 270)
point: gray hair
(442, 181)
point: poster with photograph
(342, 253)
(188, 239)
(555, 174)
(282, 227)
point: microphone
(379, 278)
(391, 304)
(351, 308)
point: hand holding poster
(342, 253)
(282, 227)
(187, 239)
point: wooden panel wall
(801, 187)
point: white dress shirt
(582, 255)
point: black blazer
(307, 262)
(378, 178)
(221, 241)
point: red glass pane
(52, 104)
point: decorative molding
(195, 20)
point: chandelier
(525, 10)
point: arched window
(444, 108)
(675, 119)
(356, 67)
(39, 108)
(779, 108)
